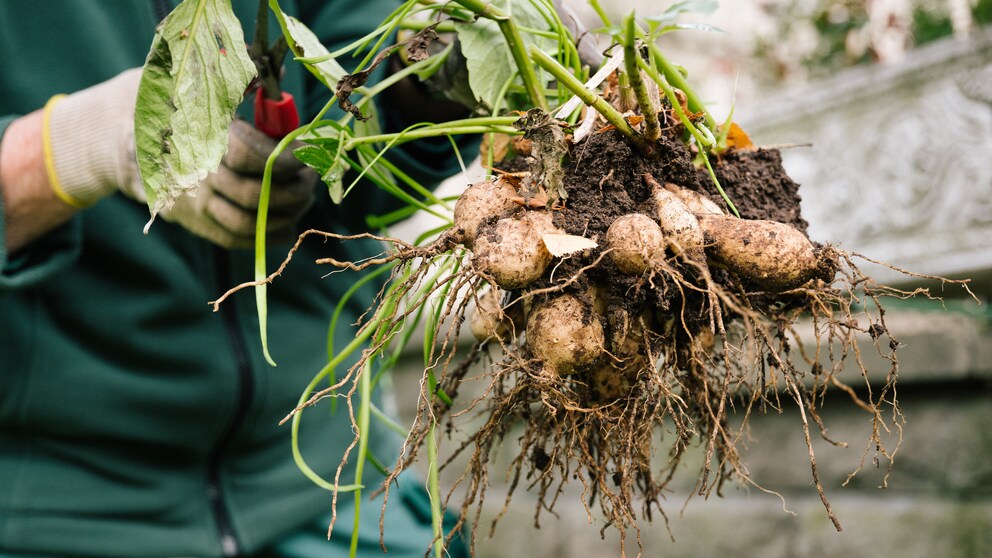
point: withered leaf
(737, 138)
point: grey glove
(89, 151)
(225, 208)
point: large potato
(769, 255)
(478, 203)
(565, 333)
(512, 252)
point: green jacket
(134, 421)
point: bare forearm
(30, 206)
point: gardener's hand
(89, 139)
(224, 210)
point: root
(405, 252)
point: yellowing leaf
(192, 83)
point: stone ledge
(743, 526)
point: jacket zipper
(222, 517)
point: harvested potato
(769, 255)
(479, 203)
(565, 333)
(636, 243)
(697, 203)
(490, 320)
(512, 252)
(680, 226)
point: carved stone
(901, 163)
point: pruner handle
(275, 118)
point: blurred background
(887, 106)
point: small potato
(636, 243)
(680, 226)
(512, 252)
(565, 333)
(769, 255)
(611, 381)
(478, 203)
(490, 320)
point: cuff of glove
(85, 139)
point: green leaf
(193, 81)
(330, 166)
(307, 45)
(487, 57)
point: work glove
(90, 153)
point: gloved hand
(89, 152)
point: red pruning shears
(275, 110)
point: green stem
(365, 392)
(428, 132)
(381, 315)
(261, 297)
(601, 13)
(434, 490)
(418, 25)
(515, 42)
(675, 77)
(327, 370)
(716, 181)
(589, 97)
(388, 421)
(703, 141)
(652, 128)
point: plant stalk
(675, 77)
(365, 390)
(515, 41)
(589, 97)
(652, 127)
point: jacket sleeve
(43, 258)
(338, 23)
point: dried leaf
(418, 46)
(563, 244)
(347, 85)
(548, 149)
(498, 144)
(737, 138)
(634, 119)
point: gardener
(133, 420)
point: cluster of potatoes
(570, 333)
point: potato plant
(624, 307)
